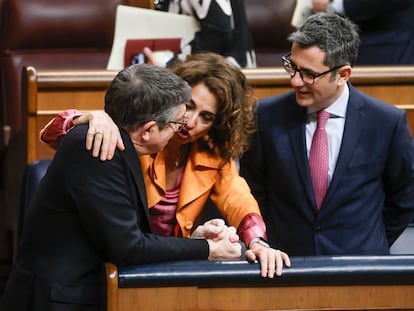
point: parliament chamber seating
(269, 24)
(33, 174)
(48, 34)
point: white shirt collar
(338, 107)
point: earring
(209, 141)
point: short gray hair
(334, 34)
(141, 93)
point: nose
(191, 119)
(296, 80)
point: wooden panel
(51, 91)
(307, 297)
(165, 298)
(385, 297)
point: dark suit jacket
(86, 212)
(371, 196)
(387, 30)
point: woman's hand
(103, 135)
(271, 260)
(216, 230)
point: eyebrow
(204, 111)
(209, 113)
(309, 70)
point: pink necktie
(319, 159)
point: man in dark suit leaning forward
(88, 211)
(358, 196)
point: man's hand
(225, 247)
(103, 135)
(271, 260)
(223, 241)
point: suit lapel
(199, 176)
(298, 145)
(352, 130)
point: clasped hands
(218, 234)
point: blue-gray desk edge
(304, 271)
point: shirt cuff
(252, 226)
(58, 127)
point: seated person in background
(362, 197)
(199, 161)
(223, 28)
(387, 28)
(86, 211)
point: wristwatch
(261, 241)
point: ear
(146, 130)
(344, 74)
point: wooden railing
(47, 92)
(312, 283)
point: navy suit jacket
(86, 212)
(387, 30)
(370, 199)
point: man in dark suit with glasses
(331, 168)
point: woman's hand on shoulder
(103, 135)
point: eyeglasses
(178, 125)
(307, 76)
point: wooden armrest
(111, 287)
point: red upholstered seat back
(46, 34)
(50, 34)
(269, 24)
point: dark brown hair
(234, 122)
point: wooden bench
(312, 283)
(47, 92)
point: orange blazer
(203, 178)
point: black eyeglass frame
(181, 124)
(286, 61)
